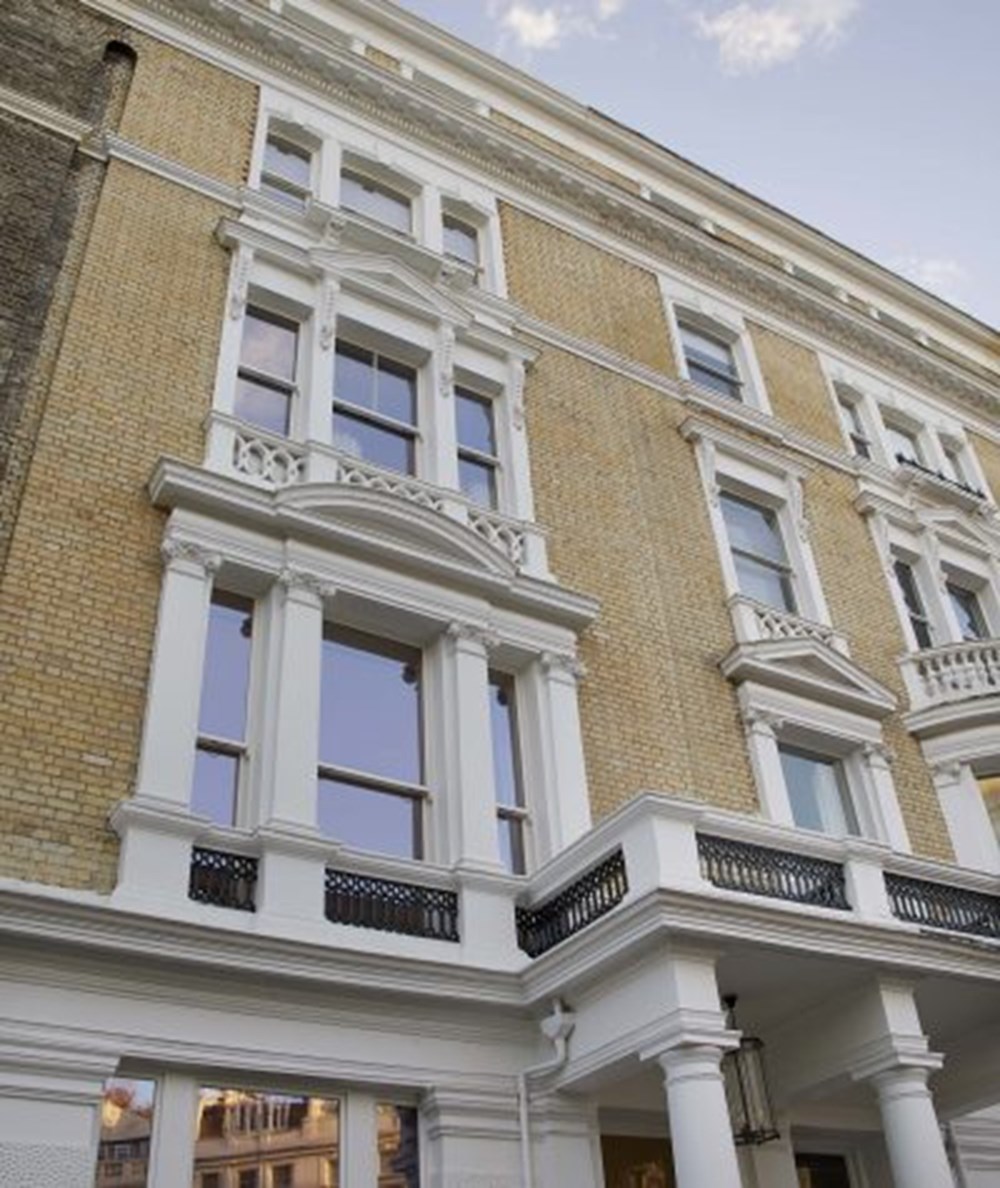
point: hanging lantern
(746, 1087)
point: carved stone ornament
(879, 753)
(328, 313)
(946, 773)
(473, 633)
(517, 376)
(240, 281)
(301, 580)
(762, 721)
(446, 361)
(175, 549)
(563, 664)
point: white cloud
(755, 37)
(941, 275)
(541, 27)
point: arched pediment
(410, 525)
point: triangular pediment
(962, 529)
(417, 534)
(811, 669)
(389, 279)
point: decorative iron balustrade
(777, 874)
(389, 906)
(938, 905)
(223, 880)
(593, 895)
(940, 476)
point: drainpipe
(556, 1027)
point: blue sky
(873, 120)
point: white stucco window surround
(300, 596)
(821, 767)
(756, 506)
(343, 367)
(712, 346)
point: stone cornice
(320, 63)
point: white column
(469, 783)
(290, 746)
(912, 1132)
(701, 1132)
(563, 809)
(170, 729)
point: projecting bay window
(909, 589)
(478, 464)
(710, 361)
(758, 551)
(286, 171)
(507, 777)
(375, 408)
(265, 384)
(222, 721)
(818, 792)
(371, 754)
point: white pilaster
(762, 741)
(359, 1126)
(565, 814)
(290, 747)
(701, 1133)
(519, 487)
(912, 1132)
(890, 826)
(171, 1159)
(965, 814)
(170, 729)
(438, 414)
(315, 386)
(469, 785)
(472, 1137)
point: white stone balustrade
(271, 462)
(756, 622)
(952, 673)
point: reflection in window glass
(710, 362)
(380, 202)
(460, 240)
(222, 719)
(906, 579)
(287, 171)
(817, 791)
(252, 1139)
(822, 1171)
(398, 1147)
(371, 750)
(477, 460)
(851, 416)
(126, 1131)
(968, 612)
(903, 446)
(266, 377)
(374, 408)
(762, 569)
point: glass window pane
(907, 581)
(370, 711)
(477, 481)
(503, 727)
(378, 202)
(511, 837)
(216, 777)
(262, 405)
(474, 422)
(710, 379)
(270, 344)
(368, 818)
(398, 1146)
(753, 528)
(953, 467)
(354, 376)
(126, 1129)
(373, 443)
(817, 793)
(288, 161)
(246, 1137)
(763, 583)
(902, 444)
(396, 391)
(707, 349)
(226, 675)
(460, 240)
(968, 612)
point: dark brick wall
(57, 53)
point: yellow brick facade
(988, 453)
(133, 382)
(795, 385)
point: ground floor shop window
(126, 1130)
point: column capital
(304, 585)
(189, 555)
(878, 754)
(905, 1080)
(564, 665)
(473, 636)
(762, 722)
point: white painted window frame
(722, 320)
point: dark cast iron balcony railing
(937, 905)
(956, 484)
(223, 880)
(388, 906)
(593, 895)
(778, 874)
